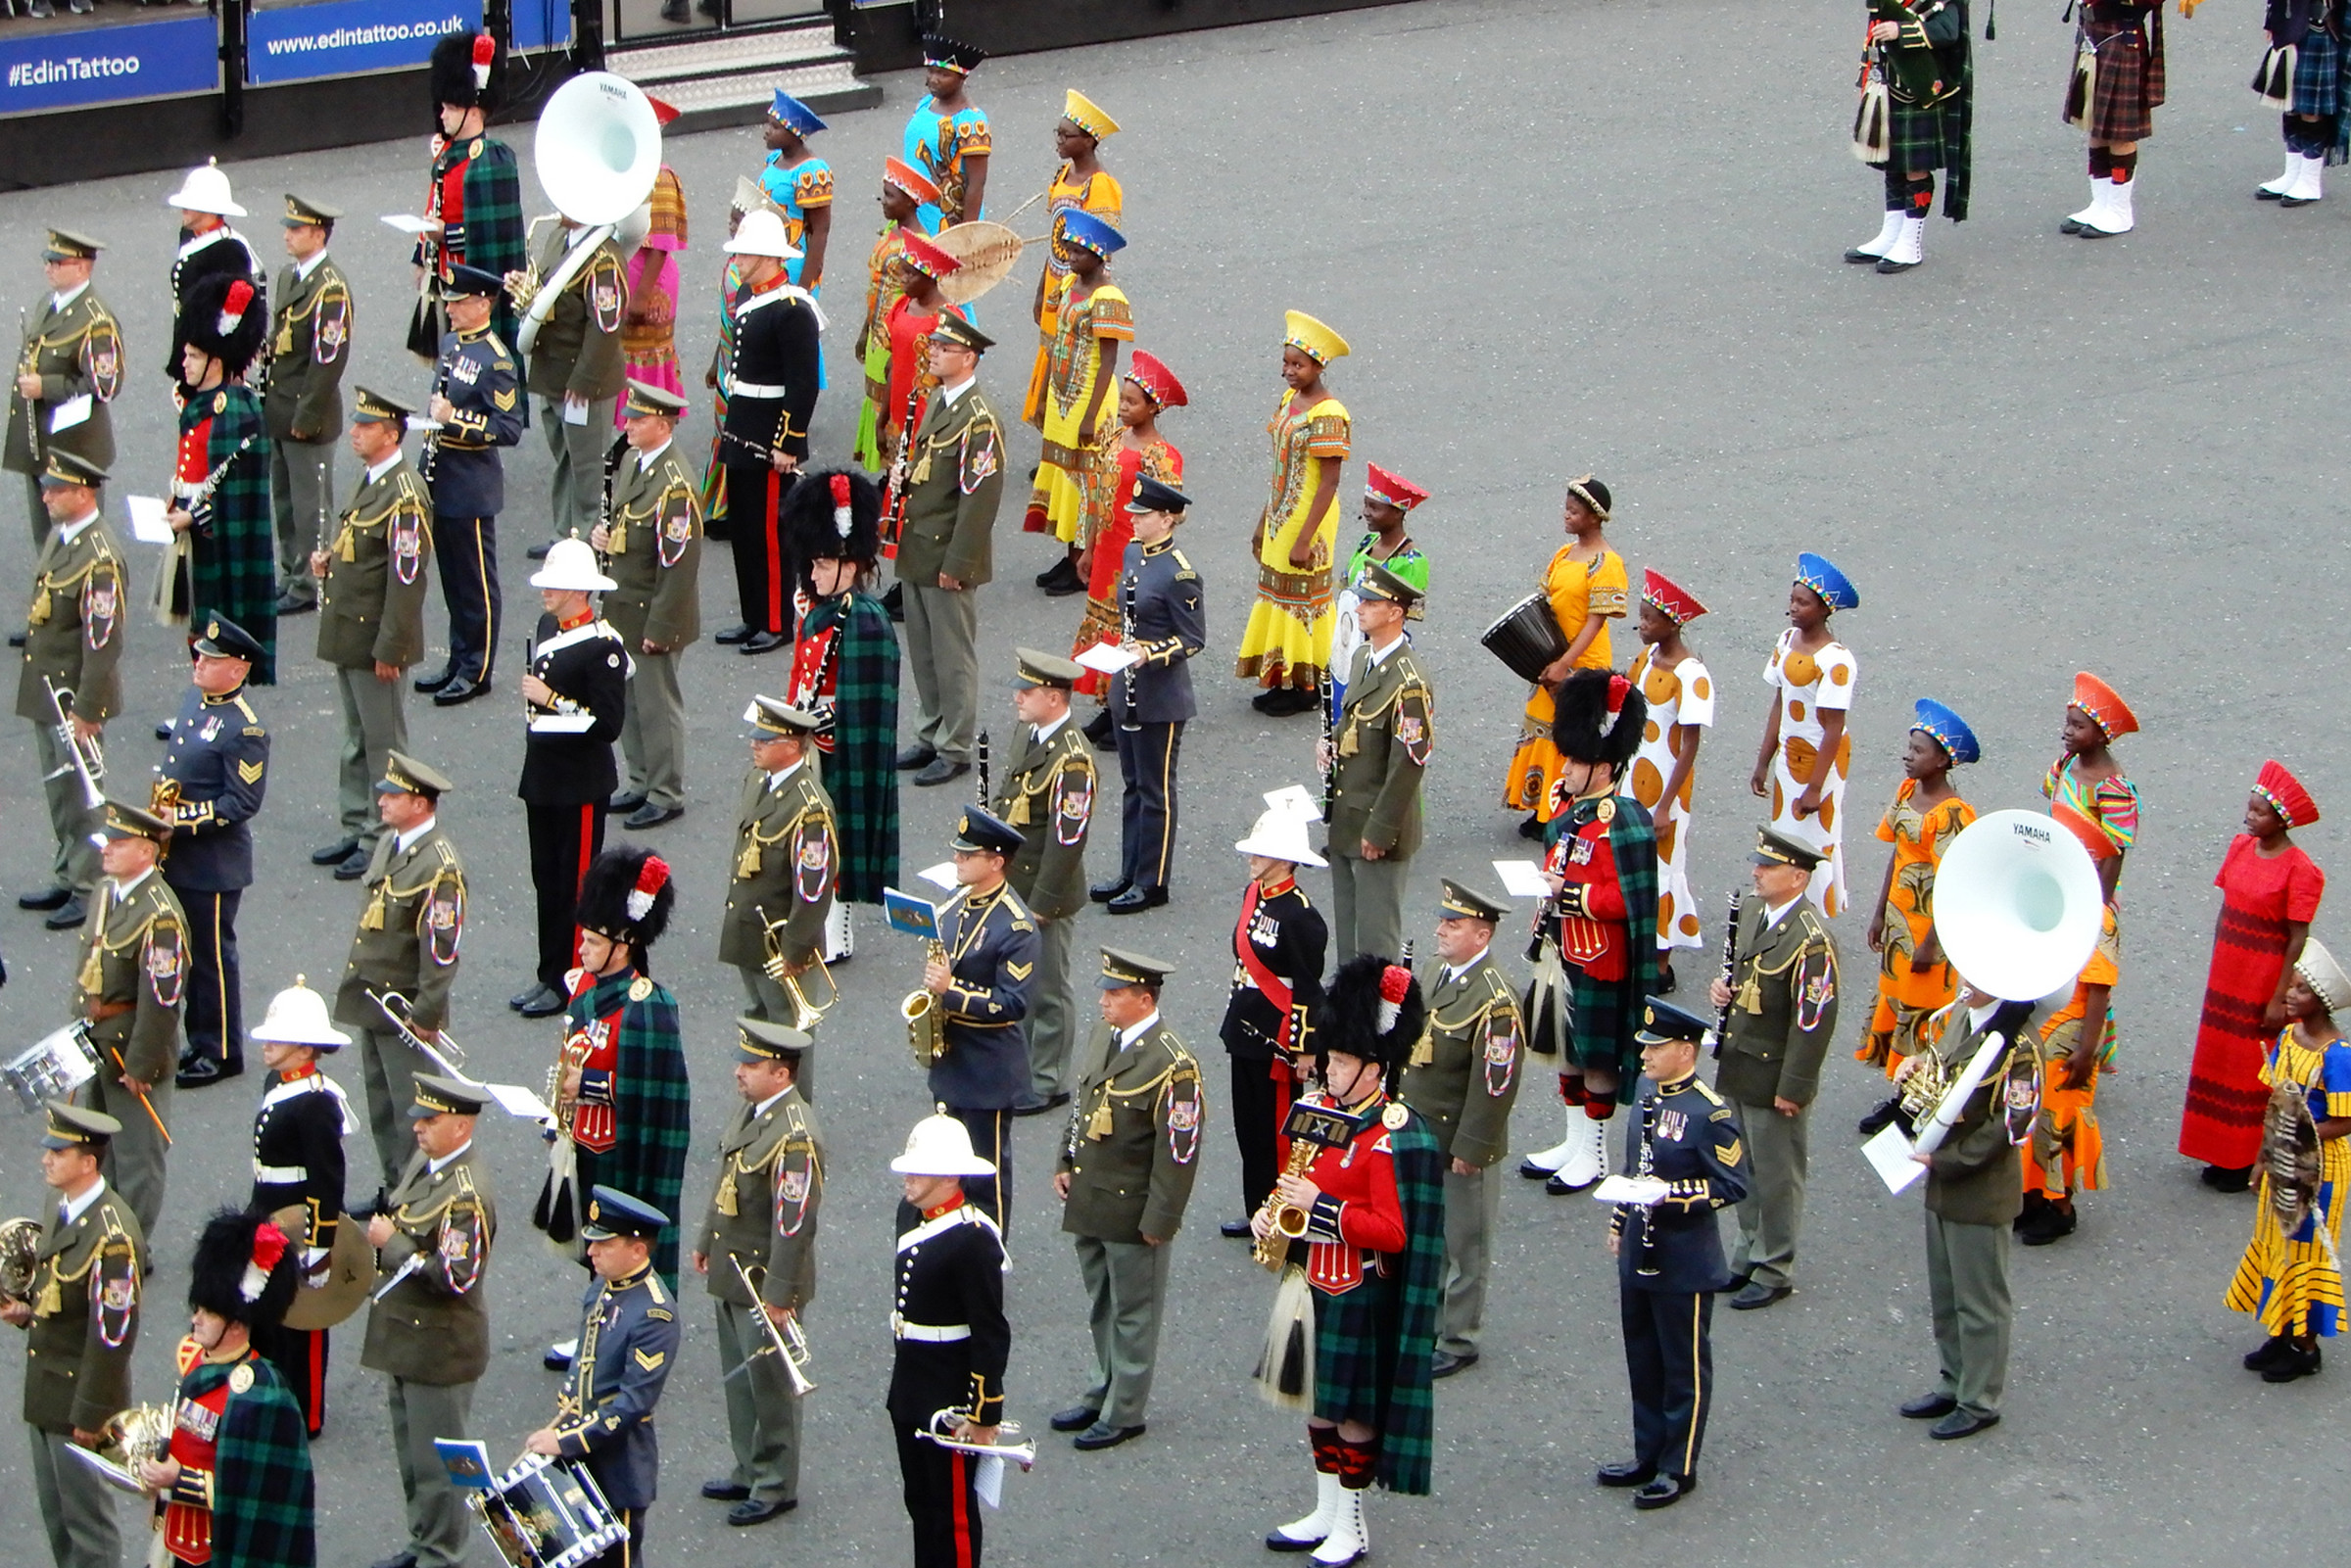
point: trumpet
(82, 757)
(926, 1026)
(805, 1015)
(402, 1014)
(20, 1258)
(1011, 1444)
(784, 1340)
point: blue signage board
(109, 65)
(541, 24)
(348, 37)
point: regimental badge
(980, 459)
(1817, 990)
(676, 531)
(607, 294)
(1502, 1059)
(166, 963)
(334, 330)
(1413, 732)
(813, 858)
(794, 1188)
(457, 1244)
(101, 608)
(407, 547)
(444, 920)
(220, 402)
(1606, 812)
(240, 1381)
(639, 988)
(1073, 809)
(1395, 1115)
(1183, 1120)
(106, 367)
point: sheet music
(1107, 657)
(1523, 879)
(1889, 1157)
(988, 1480)
(69, 413)
(147, 524)
(1643, 1190)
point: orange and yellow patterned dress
(1577, 590)
(1101, 194)
(1906, 994)
(1680, 695)
(2295, 1284)
(1287, 642)
(1067, 459)
(1806, 684)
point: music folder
(467, 1461)
(915, 916)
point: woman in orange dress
(1587, 586)
(1149, 387)
(1914, 978)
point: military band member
(428, 1328)
(628, 1346)
(213, 777)
(372, 618)
(757, 1252)
(1164, 622)
(575, 698)
(209, 249)
(1048, 794)
(1278, 947)
(652, 548)
(1125, 1177)
(1382, 740)
(219, 491)
(72, 641)
(576, 366)
(132, 981)
(1669, 1256)
(235, 1486)
(82, 1322)
(477, 400)
(474, 206)
(310, 349)
(985, 985)
(1463, 1078)
(73, 351)
(787, 852)
(771, 386)
(954, 484)
(406, 945)
(952, 1342)
(1783, 1011)
(297, 1171)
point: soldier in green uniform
(1378, 751)
(82, 1319)
(1783, 1009)
(429, 1325)
(407, 943)
(1123, 1178)
(575, 367)
(68, 372)
(955, 481)
(1463, 1078)
(72, 643)
(371, 620)
(1048, 794)
(758, 1254)
(787, 855)
(652, 549)
(309, 348)
(132, 982)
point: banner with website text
(109, 65)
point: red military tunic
(1594, 940)
(815, 672)
(195, 1443)
(596, 1047)
(1359, 1213)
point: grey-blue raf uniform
(628, 1344)
(477, 374)
(1163, 616)
(219, 761)
(993, 949)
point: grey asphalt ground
(1563, 237)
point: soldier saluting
(310, 349)
(1048, 794)
(68, 372)
(787, 855)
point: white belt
(933, 1333)
(757, 389)
(280, 1175)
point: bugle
(1009, 1444)
(805, 1014)
(785, 1341)
(82, 757)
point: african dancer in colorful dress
(1918, 56)
(2269, 894)
(1285, 647)
(903, 192)
(1079, 184)
(1807, 756)
(1140, 452)
(2292, 1276)
(1681, 704)
(1914, 978)
(1587, 587)
(800, 184)
(648, 322)
(2090, 798)
(947, 137)
(1081, 393)
(2117, 80)
(1388, 500)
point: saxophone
(925, 1027)
(1288, 1221)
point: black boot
(2261, 1360)
(2296, 1360)
(2057, 1221)
(2028, 1219)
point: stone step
(730, 78)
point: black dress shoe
(16, 639)
(763, 642)
(1036, 1105)
(429, 683)
(545, 1002)
(649, 815)
(1076, 1418)
(1532, 827)
(1879, 1120)
(1102, 1434)
(2293, 1362)
(2227, 1178)
(1236, 1229)
(1887, 264)
(460, 690)
(916, 756)
(557, 1357)
(406, 1559)
(1444, 1363)
(1665, 1491)
(894, 602)
(1928, 1408)
(287, 604)
(758, 1513)
(2272, 1348)
(725, 1491)
(1960, 1424)
(1558, 1186)
(354, 865)
(1284, 702)
(202, 1072)
(1756, 1294)
(1534, 1172)
(334, 854)
(1072, 583)
(68, 915)
(47, 898)
(629, 801)
(1134, 900)
(738, 633)
(940, 771)
(518, 998)
(1104, 892)
(537, 552)
(162, 731)
(1635, 1474)
(2052, 1224)
(1060, 575)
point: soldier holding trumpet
(787, 856)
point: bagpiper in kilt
(1916, 116)
(2302, 73)
(475, 194)
(2117, 80)
(220, 475)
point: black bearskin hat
(246, 1270)
(627, 895)
(221, 297)
(1374, 1009)
(1597, 716)
(455, 79)
(813, 519)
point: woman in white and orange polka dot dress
(1681, 703)
(1806, 756)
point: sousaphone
(598, 153)
(2017, 905)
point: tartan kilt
(1928, 138)
(1355, 1338)
(1602, 1016)
(2318, 84)
(2130, 82)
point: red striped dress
(2221, 1125)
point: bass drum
(1527, 638)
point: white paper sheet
(941, 875)
(574, 413)
(563, 723)
(147, 524)
(1889, 1157)
(988, 1480)
(410, 223)
(69, 413)
(516, 1101)
(1642, 1190)
(1107, 657)
(1523, 879)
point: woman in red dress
(1149, 387)
(2269, 892)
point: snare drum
(1527, 638)
(53, 1066)
(547, 1513)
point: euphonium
(926, 1026)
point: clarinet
(1646, 1261)
(1730, 965)
(432, 446)
(1131, 723)
(983, 797)
(894, 483)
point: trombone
(784, 1340)
(805, 1015)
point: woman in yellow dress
(1286, 645)
(1914, 978)
(1587, 587)
(1080, 412)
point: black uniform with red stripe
(298, 1163)
(1277, 948)
(568, 773)
(771, 395)
(952, 1346)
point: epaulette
(448, 853)
(652, 1289)
(1183, 568)
(246, 708)
(1706, 1090)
